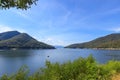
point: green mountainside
(22, 40)
(109, 41)
(9, 34)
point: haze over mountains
(59, 46)
(15, 39)
(109, 41)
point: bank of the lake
(98, 48)
(12, 60)
(79, 69)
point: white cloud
(64, 38)
(117, 29)
(4, 28)
(53, 41)
(22, 13)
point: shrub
(80, 69)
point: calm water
(11, 60)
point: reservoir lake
(12, 60)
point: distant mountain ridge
(109, 41)
(15, 39)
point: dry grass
(116, 77)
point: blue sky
(64, 22)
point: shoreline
(106, 48)
(98, 48)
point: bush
(80, 69)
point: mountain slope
(24, 41)
(109, 41)
(110, 44)
(9, 34)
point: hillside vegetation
(109, 41)
(8, 35)
(80, 69)
(14, 39)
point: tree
(19, 4)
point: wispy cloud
(28, 15)
(101, 13)
(116, 29)
(53, 41)
(64, 39)
(65, 17)
(56, 15)
(23, 14)
(4, 28)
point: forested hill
(109, 41)
(9, 34)
(15, 39)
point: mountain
(21, 40)
(9, 34)
(109, 41)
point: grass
(80, 69)
(116, 77)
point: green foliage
(113, 66)
(80, 69)
(19, 4)
(4, 77)
(21, 74)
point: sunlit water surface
(12, 60)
